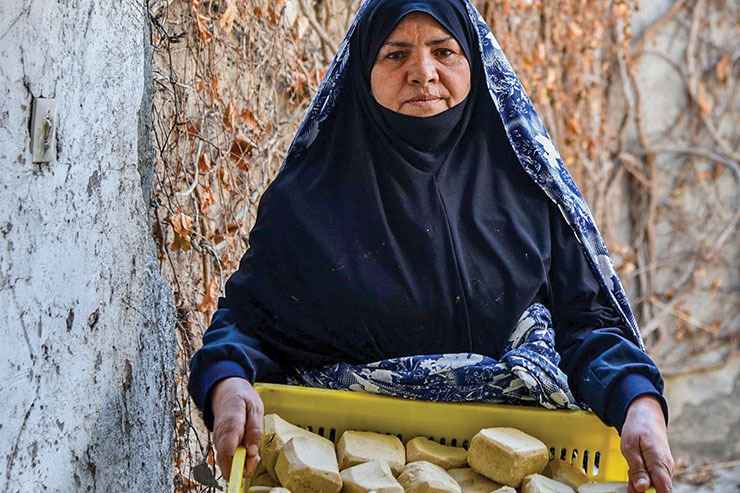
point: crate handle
(237, 470)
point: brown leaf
(214, 88)
(704, 101)
(229, 116)
(573, 125)
(209, 300)
(248, 117)
(206, 198)
(192, 128)
(227, 18)
(205, 34)
(574, 31)
(183, 483)
(204, 163)
(241, 151)
(182, 224)
(723, 67)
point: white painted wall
(86, 322)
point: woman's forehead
(417, 24)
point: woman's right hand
(238, 419)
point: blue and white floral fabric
(527, 374)
(529, 371)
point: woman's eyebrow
(406, 44)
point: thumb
(639, 478)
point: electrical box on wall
(44, 130)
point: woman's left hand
(645, 447)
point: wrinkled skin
(238, 419)
(420, 70)
(645, 447)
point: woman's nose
(422, 70)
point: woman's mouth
(426, 100)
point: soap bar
(372, 476)
(276, 434)
(506, 455)
(358, 447)
(559, 470)
(425, 477)
(264, 479)
(537, 483)
(306, 465)
(421, 448)
(472, 482)
(611, 487)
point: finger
(253, 434)
(227, 432)
(659, 464)
(661, 480)
(639, 478)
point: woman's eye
(444, 52)
(395, 55)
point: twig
(310, 15)
(685, 317)
(701, 368)
(195, 178)
(639, 44)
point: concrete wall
(86, 322)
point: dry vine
(233, 78)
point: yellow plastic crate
(577, 436)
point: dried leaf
(214, 89)
(209, 302)
(192, 128)
(241, 151)
(226, 22)
(574, 31)
(205, 34)
(703, 175)
(248, 117)
(573, 125)
(204, 163)
(182, 224)
(723, 67)
(206, 198)
(183, 483)
(704, 101)
(229, 116)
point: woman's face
(420, 69)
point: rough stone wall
(700, 363)
(86, 322)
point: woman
(423, 212)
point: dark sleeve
(228, 352)
(605, 369)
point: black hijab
(393, 235)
